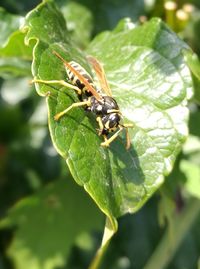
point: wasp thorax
(109, 104)
(105, 106)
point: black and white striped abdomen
(74, 79)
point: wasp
(98, 101)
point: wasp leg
(128, 140)
(107, 142)
(128, 125)
(99, 120)
(59, 82)
(105, 139)
(59, 115)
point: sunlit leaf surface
(150, 81)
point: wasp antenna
(59, 56)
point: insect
(99, 101)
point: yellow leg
(59, 82)
(105, 138)
(107, 142)
(128, 140)
(99, 120)
(59, 115)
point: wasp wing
(80, 77)
(98, 68)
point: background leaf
(79, 20)
(19, 6)
(190, 163)
(194, 64)
(192, 172)
(15, 55)
(51, 211)
(105, 13)
(9, 23)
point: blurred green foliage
(47, 221)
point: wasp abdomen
(75, 80)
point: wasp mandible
(99, 101)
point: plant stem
(110, 229)
(168, 245)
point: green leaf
(79, 22)
(192, 145)
(15, 56)
(105, 13)
(15, 47)
(48, 224)
(6, 19)
(191, 162)
(14, 67)
(151, 83)
(192, 172)
(191, 149)
(194, 64)
(19, 7)
(141, 233)
(170, 242)
(194, 118)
